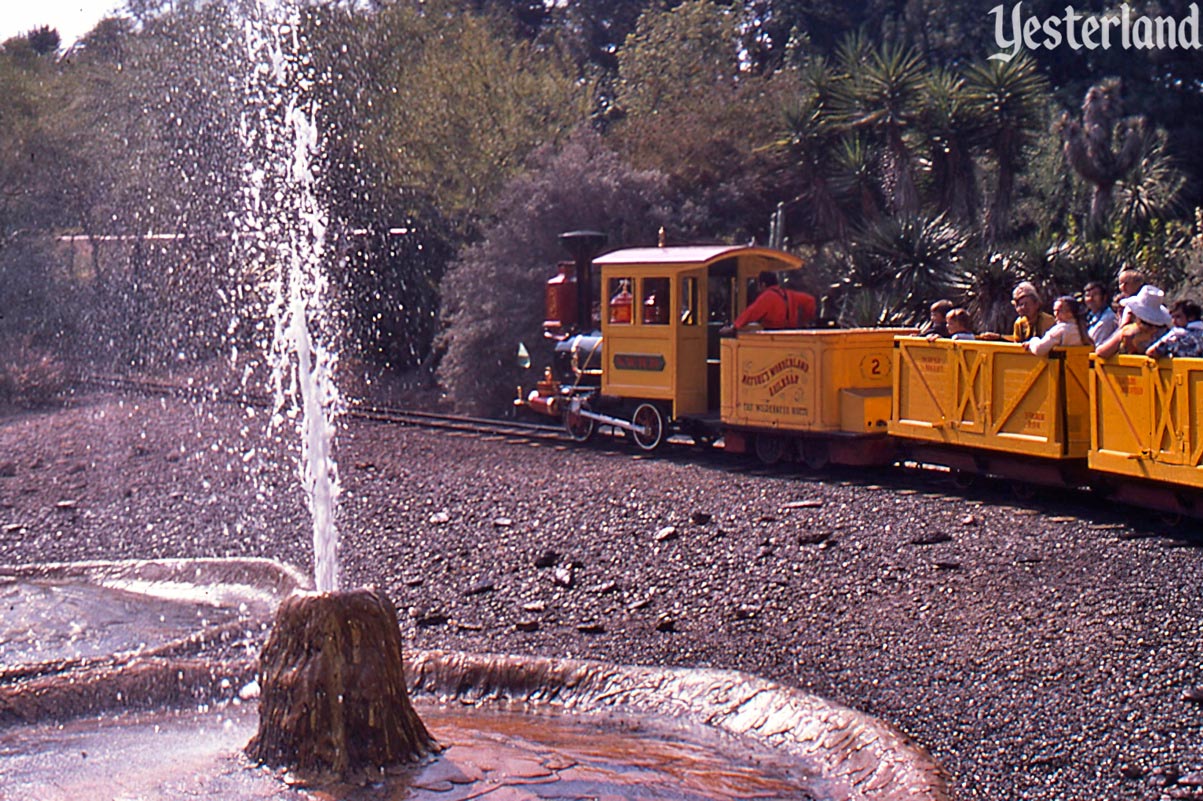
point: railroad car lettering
(930, 364)
(774, 408)
(1131, 385)
(785, 381)
(649, 362)
(769, 373)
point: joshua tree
(1010, 99)
(882, 97)
(1151, 189)
(952, 127)
(813, 141)
(1103, 147)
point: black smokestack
(584, 247)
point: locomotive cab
(662, 308)
(660, 312)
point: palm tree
(1010, 98)
(882, 98)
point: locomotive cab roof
(697, 255)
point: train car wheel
(963, 480)
(769, 448)
(814, 453)
(649, 427)
(581, 429)
(1023, 491)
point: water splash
(284, 226)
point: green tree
(882, 98)
(952, 130)
(467, 105)
(813, 143)
(688, 110)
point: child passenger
(937, 323)
(960, 326)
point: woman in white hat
(1149, 317)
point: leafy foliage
(688, 111)
(467, 106)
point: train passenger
(1130, 282)
(775, 307)
(1185, 339)
(1070, 328)
(1031, 322)
(1150, 320)
(1101, 321)
(960, 324)
(937, 324)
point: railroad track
(476, 425)
(354, 409)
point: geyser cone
(333, 699)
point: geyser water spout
(333, 698)
(286, 225)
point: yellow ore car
(993, 407)
(1146, 431)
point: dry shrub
(30, 376)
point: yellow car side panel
(992, 395)
(833, 381)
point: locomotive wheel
(581, 429)
(769, 448)
(649, 433)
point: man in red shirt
(776, 307)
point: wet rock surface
(1046, 649)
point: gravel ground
(1040, 649)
